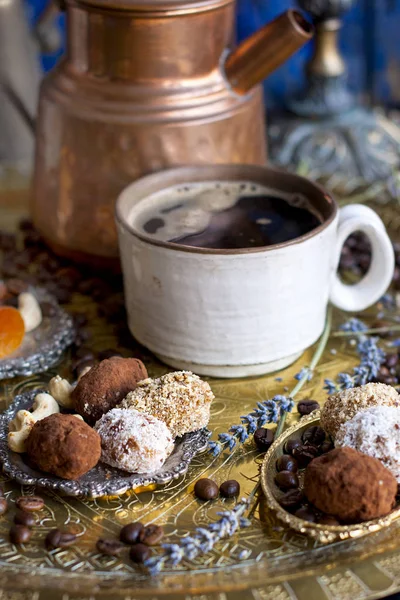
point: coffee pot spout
(264, 51)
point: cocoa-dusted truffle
(105, 385)
(64, 445)
(349, 485)
(342, 407)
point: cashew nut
(83, 372)
(19, 430)
(78, 417)
(30, 311)
(43, 406)
(61, 390)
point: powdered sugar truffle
(375, 432)
(133, 441)
(180, 399)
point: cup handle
(352, 218)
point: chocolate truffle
(342, 407)
(349, 485)
(105, 385)
(182, 400)
(375, 432)
(133, 441)
(63, 445)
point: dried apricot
(12, 330)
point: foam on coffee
(225, 215)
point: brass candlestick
(324, 129)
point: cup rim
(149, 184)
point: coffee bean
(313, 436)
(3, 505)
(326, 446)
(29, 503)
(290, 445)
(328, 520)
(286, 463)
(306, 513)
(110, 353)
(229, 489)
(291, 500)
(304, 454)
(286, 480)
(109, 547)
(392, 360)
(24, 518)
(59, 539)
(129, 534)
(151, 535)
(206, 489)
(306, 407)
(139, 553)
(263, 438)
(19, 534)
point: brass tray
(280, 563)
(322, 533)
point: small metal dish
(102, 480)
(323, 533)
(43, 347)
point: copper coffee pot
(146, 84)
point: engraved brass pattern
(283, 564)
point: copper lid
(155, 6)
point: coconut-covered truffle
(342, 407)
(133, 441)
(349, 485)
(105, 385)
(375, 432)
(181, 399)
(63, 445)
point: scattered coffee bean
(313, 436)
(263, 438)
(151, 535)
(19, 534)
(326, 446)
(130, 533)
(109, 547)
(291, 445)
(286, 480)
(304, 454)
(286, 463)
(328, 520)
(59, 539)
(110, 353)
(24, 518)
(29, 503)
(139, 553)
(206, 489)
(3, 505)
(306, 407)
(291, 500)
(306, 513)
(392, 360)
(230, 488)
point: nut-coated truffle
(349, 485)
(342, 407)
(63, 445)
(105, 385)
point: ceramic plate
(102, 480)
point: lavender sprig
(202, 541)
(371, 359)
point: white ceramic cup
(234, 313)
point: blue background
(369, 40)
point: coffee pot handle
(352, 218)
